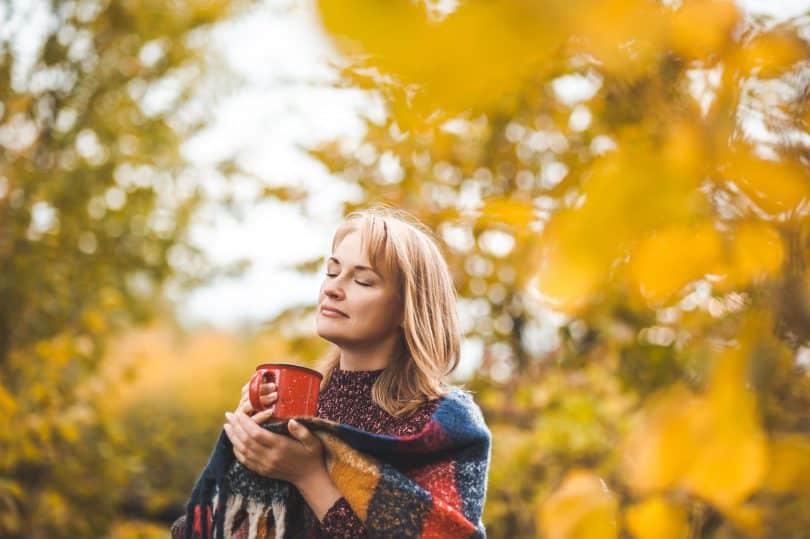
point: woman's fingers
(264, 415)
(238, 438)
(245, 407)
(263, 388)
(303, 435)
(245, 429)
(267, 396)
(267, 404)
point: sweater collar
(355, 377)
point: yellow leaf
(757, 252)
(748, 518)
(656, 518)
(670, 259)
(581, 508)
(774, 186)
(624, 36)
(8, 408)
(703, 28)
(712, 445)
(7, 403)
(625, 196)
(567, 272)
(507, 211)
(207, 10)
(771, 53)
(95, 322)
(683, 149)
(658, 451)
(730, 464)
(443, 62)
(789, 469)
(54, 507)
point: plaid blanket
(431, 484)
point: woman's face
(369, 309)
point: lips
(332, 310)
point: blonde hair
(399, 245)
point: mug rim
(291, 365)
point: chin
(335, 337)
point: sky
(285, 103)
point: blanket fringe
(255, 512)
(279, 510)
(232, 508)
(263, 522)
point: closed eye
(358, 282)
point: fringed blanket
(427, 485)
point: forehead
(350, 250)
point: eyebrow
(358, 267)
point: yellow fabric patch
(355, 475)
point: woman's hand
(297, 459)
(267, 396)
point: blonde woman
(395, 451)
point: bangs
(374, 241)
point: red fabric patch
(445, 523)
(428, 440)
(197, 529)
(445, 519)
(439, 479)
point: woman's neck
(370, 358)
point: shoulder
(458, 412)
(460, 399)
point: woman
(388, 304)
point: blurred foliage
(95, 201)
(623, 192)
(172, 389)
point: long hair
(398, 244)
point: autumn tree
(95, 202)
(623, 191)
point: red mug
(297, 389)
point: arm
(319, 492)
(335, 515)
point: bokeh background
(621, 188)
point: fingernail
(228, 415)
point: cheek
(380, 311)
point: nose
(332, 290)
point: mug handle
(254, 387)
